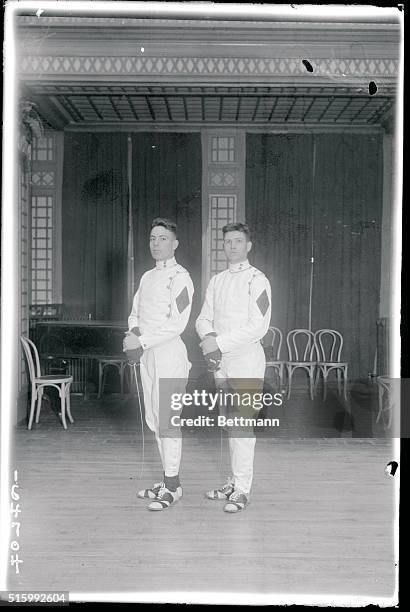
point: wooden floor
(320, 519)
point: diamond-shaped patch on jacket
(263, 302)
(182, 300)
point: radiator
(74, 366)
(77, 369)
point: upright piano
(74, 347)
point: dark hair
(167, 223)
(237, 227)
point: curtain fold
(348, 217)
(279, 178)
(167, 182)
(343, 209)
(94, 224)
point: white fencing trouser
(166, 361)
(250, 363)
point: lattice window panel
(222, 211)
(42, 249)
(44, 198)
(43, 179)
(223, 149)
(223, 178)
(43, 149)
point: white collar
(238, 267)
(165, 263)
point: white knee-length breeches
(250, 364)
(167, 361)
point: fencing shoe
(222, 493)
(165, 498)
(236, 502)
(150, 493)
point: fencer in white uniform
(234, 318)
(160, 313)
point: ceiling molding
(206, 38)
(208, 31)
(103, 55)
(214, 14)
(197, 127)
(134, 68)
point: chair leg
(39, 401)
(325, 375)
(88, 361)
(273, 369)
(33, 405)
(381, 391)
(339, 387)
(345, 383)
(126, 381)
(122, 371)
(62, 400)
(67, 395)
(100, 377)
(311, 374)
(390, 408)
(281, 372)
(290, 373)
(317, 377)
(276, 370)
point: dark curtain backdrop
(166, 182)
(340, 198)
(94, 222)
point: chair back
(301, 345)
(272, 343)
(32, 357)
(329, 344)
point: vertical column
(23, 196)
(386, 233)
(223, 193)
(57, 228)
(382, 359)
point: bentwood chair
(272, 344)
(38, 382)
(302, 355)
(329, 344)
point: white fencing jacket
(237, 308)
(162, 304)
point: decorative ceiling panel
(95, 105)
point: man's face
(162, 243)
(236, 246)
